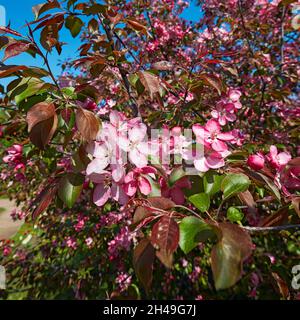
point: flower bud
(256, 161)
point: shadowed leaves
(42, 123)
(88, 124)
(228, 254)
(165, 238)
(143, 258)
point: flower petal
(101, 195)
(144, 185)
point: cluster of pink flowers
(287, 170)
(14, 157)
(122, 241)
(71, 243)
(121, 138)
(277, 160)
(17, 214)
(80, 222)
(227, 107)
(123, 280)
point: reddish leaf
(212, 81)
(39, 112)
(150, 82)
(15, 49)
(277, 219)
(247, 198)
(228, 254)
(8, 30)
(136, 26)
(43, 7)
(8, 70)
(282, 286)
(44, 199)
(54, 20)
(143, 212)
(42, 123)
(165, 238)
(49, 37)
(143, 258)
(87, 123)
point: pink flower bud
(256, 161)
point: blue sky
(19, 11)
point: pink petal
(130, 188)
(101, 195)
(137, 133)
(123, 143)
(219, 145)
(144, 185)
(273, 151)
(214, 161)
(118, 172)
(97, 166)
(137, 158)
(201, 165)
(227, 136)
(234, 94)
(118, 194)
(230, 117)
(148, 170)
(215, 114)
(212, 126)
(198, 130)
(130, 176)
(222, 120)
(283, 158)
(99, 177)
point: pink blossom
(136, 180)
(123, 280)
(135, 146)
(122, 241)
(89, 241)
(211, 136)
(278, 160)
(256, 161)
(14, 154)
(71, 243)
(107, 188)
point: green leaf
(234, 214)
(176, 174)
(70, 188)
(228, 254)
(212, 182)
(27, 88)
(155, 187)
(201, 201)
(74, 24)
(192, 231)
(234, 183)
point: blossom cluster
(121, 138)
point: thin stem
(276, 228)
(190, 210)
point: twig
(276, 228)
